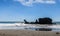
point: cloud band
(31, 2)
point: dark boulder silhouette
(45, 20)
(36, 22)
(57, 33)
(26, 22)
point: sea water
(18, 26)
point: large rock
(45, 20)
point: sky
(18, 10)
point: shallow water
(18, 26)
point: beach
(27, 33)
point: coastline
(27, 33)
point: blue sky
(18, 10)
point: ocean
(18, 26)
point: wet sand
(27, 33)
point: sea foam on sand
(28, 26)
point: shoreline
(27, 33)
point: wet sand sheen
(27, 33)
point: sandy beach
(27, 33)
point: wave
(28, 26)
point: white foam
(23, 26)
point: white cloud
(26, 3)
(46, 1)
(31, 2)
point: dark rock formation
(26, 21)
(36, 22)
(57, 33)
(45, 20)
